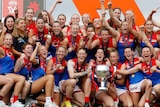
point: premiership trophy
(102, 72)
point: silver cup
(102, 72)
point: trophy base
(103, 88)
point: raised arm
(135, 33)
(114, 32)
(116, 21)
(145, 40)
(52, 8)
(92, 43)
(35, 52)
(102, 5)
(157, 24)
(50, 11)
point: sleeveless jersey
(72, 43)
(56, 42)
(106, 47)
(155, 76)
(40, 71)
(136, 77)
(152, 38)
(60, 74)
(7, 63)
(26, 69)
(122, 43)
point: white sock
(116, 103)
(146, 104)
(48, 99)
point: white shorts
(121, 91)
(76, 89)
(56, 89)
(136, 87)
(153, 92)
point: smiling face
(149, 26)
(90, 30)
(97, 23)
(9, 23)
(81, 55)
(7, 42)
(29, 14)
(129, 14)
(117, 13)
(61, 52)
(21, 25)
(146, 54)
(124, 27)
(105, 36)
(85, 18)
(128, 53)
(99, 55)
(56, 28)
(113, 57)
(40, 24)
(28, 50)
(75, 18)
(45, 16)
(75, 29)
(43, 52)
(62, 20)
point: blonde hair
(15, 29)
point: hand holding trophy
(103, 72)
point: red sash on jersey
(43, 64)
(147, 68)
(73, 43)
(126, 40)
(27, 64)
(56, 42)
(63, 64)
(152, 38)
(134, 62)
(8, 52)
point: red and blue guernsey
(72, 43)
(56, 42)
(155, 76)
(61, 73)
(136, 77)
(26, 69)
(153, 40)
(7, 62)
(124, 41)
(38, 70)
